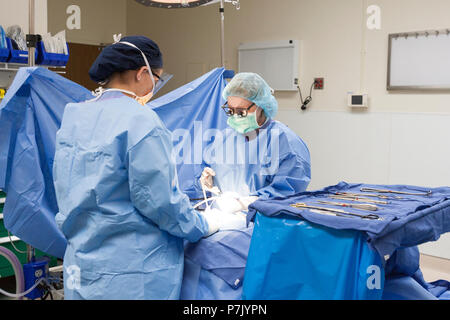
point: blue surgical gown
(275, 162)
(121, 209)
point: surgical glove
(212, 217)
(228, 202)
(231, 202)
(206, 179)
(246, 201)
(234, 221)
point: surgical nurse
(258, 157)
(121, 209)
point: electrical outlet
(319, 83)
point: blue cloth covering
(215, 266)
(440, 289)
(424, 218)
(30, 115)
(292, 259)
(406, 223)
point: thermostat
(357, 100)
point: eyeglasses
(241, 112)
(156, 76)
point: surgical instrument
(428, 193)
(198, 204)
(324, 212)
(358, 199)
(361, 206)
(304, 205)
(368, 195)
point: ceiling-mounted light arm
(174, 4)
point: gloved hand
(206, 178)
(228, 202)
(212, 217)
(231, 202)
(246, 201)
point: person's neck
(262, 120)
(120, 86)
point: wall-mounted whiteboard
(419, 61)
(276, 61)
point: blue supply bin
(4, 54)
(17, 56)
(50, 59)
(33, 272)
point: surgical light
(173, 3)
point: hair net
(252, 87)
(120, 57)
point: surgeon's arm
(154, 188)
(292, 177)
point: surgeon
(121, 209)
(258, 157)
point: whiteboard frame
(427, 33)
(290, 43)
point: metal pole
(31, 50)
(222, 30)
(31, 63)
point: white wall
(374, 147)
(100, 20)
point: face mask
(244, 125)
(144, 99)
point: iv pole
(32, 40)
(222, 31)
(31, 37)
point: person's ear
(140, 73)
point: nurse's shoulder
(291, 139)
(139, 121)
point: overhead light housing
(173, 4)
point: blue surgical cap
(120, 57)
(252, 87)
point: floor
(434, 268)
(9, 285)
